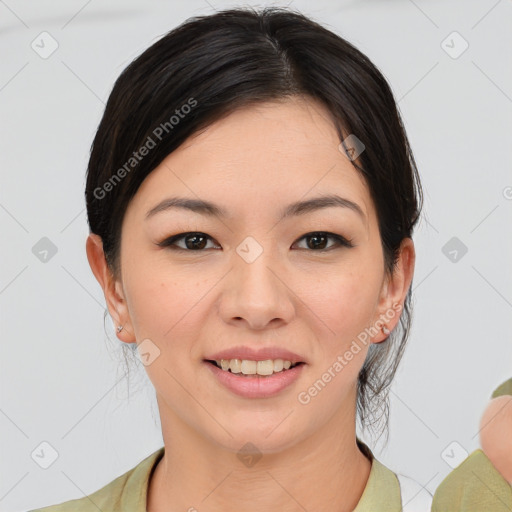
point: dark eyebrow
(317, 203)
(299, 208)
(195, 205)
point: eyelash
(340, 240)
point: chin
(259, 441)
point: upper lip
(256, 354)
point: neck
(323, 472)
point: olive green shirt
(128, 493)
(503, 389)
(475, 485)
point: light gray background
(62, 380)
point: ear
(112, 288)
(394, 291)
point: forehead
(263, 154)
(294, 130)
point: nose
(256, 294)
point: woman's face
(253, 278)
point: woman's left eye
(319, 240)
(197, 241)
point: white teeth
(278, 365)
(265, 367)
(235, 365)
(248, 367)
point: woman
(251, 197)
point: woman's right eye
(192, 241)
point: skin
(495, 435)
(189, 304)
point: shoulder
(126, 493)
(102, 499)
(474, 483)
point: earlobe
(111, 287)
(394, 291)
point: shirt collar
(382, 490)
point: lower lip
(256, 386)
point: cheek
(347, 301)
(160, 304)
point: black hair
(210, 66)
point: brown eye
(193, 241)
(318, 241)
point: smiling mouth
(247, 368)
